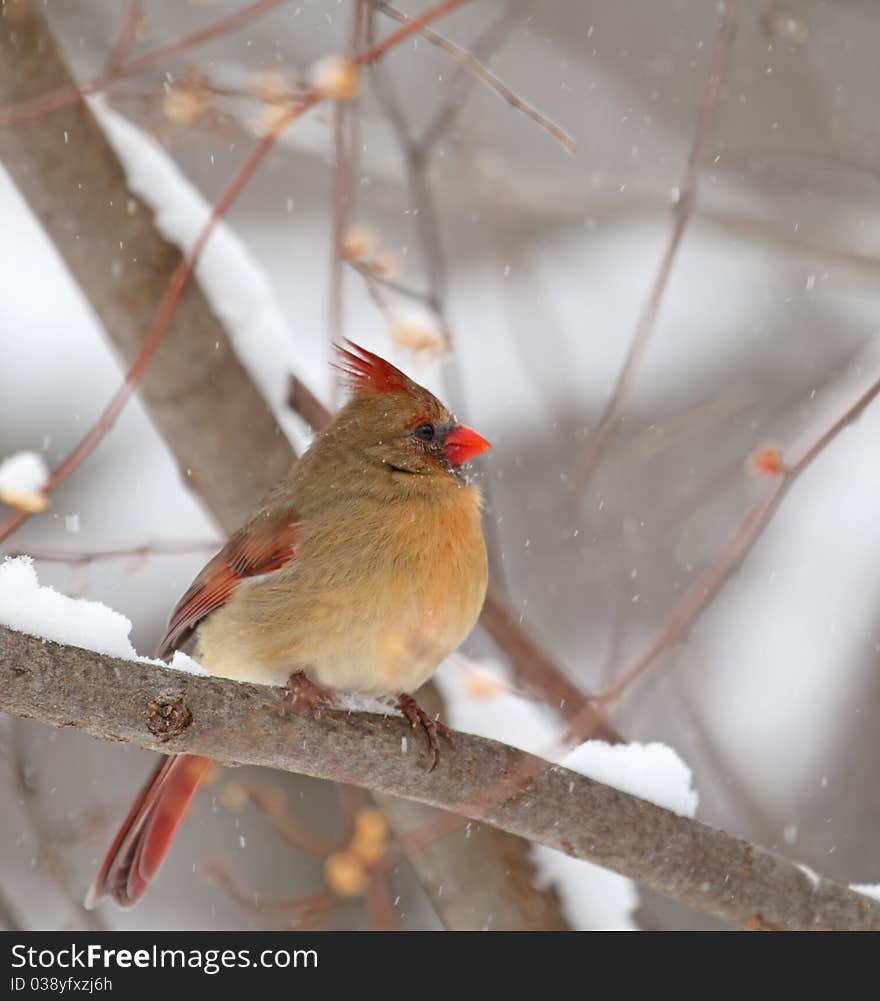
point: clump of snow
(593, 898)
(25, 471)
(183, 662)
(22, 478)
(653, 772)
(867, 889)
(811, 874)
(481, 699)
(43, 612)
(27, 607)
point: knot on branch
(168, 715)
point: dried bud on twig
(271, 85)
(336, 78)
(233, 797)
(766, 460)
(184, 103)
(345, 874)
(370, 835)
(269, 119)
(417, 332)
(383, 265)
(357, 243)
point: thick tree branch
(239, 724)
(207, 409)
(76, 187)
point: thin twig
(47, 103)
(346, 145)
(125, 37)
(410, 28)
(307, 907)
(49, 857)
(303, 402)
(738, 546)
(165, 311)
(271, 807)
(462, 82)
(535, 667)
(482, 72)
(371, 278)
(594, 448)
(142, 551)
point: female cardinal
(360, 572)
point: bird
(361, 571)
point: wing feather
(258, 548)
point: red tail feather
(146, 834)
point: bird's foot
(304, 696)
(432, 727)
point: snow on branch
(122, 700)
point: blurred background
(540, 267)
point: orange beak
(463, 444)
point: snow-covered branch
(121, 700)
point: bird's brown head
(398, 424)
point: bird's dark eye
(425, 432)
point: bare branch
(535, 667)
(240, 724)
(685, 204)
(707, 586)
(58, 96)
(76, 187)
(142, 551)
(482, 72)
(49, 858)
(412, 27)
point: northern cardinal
(360, 572)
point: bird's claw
(304, 696)
(433, 728)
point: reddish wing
(256, 549)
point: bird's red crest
(366, 371)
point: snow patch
(592, 898)
(481, 699)
(24, 472)
(183, 662)
(46, 614)
(811, 874)
(22, 478)
(867, 889)
(653, 772)
(43, 612)
(234, 283)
